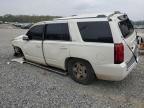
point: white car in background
(86, 46)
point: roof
(96, 15)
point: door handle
(64, 48)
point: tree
(25, 18)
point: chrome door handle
(64, 48)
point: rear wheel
(81, 71)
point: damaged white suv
(85, 46)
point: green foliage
(25, 18)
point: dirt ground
(27, 86)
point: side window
(36, 32)
(95, 31)
(58, 31)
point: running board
(57, 71)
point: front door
(33, 47)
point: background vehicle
(26, 25)
(23, 25)
(101, 45)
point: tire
(81, 71)
(18, 52)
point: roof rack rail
(73, 17)
(100, 15)
(115, 12)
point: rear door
(129, 39)
(56, 44)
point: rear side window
(95, 31)
(58, 31)
(126, 28)
(36, 32)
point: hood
(19, 37)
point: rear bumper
(114, 72)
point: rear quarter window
(95, 31)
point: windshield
(126, 28)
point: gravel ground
(26, 86)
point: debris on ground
(8, 63)
(141, 46)
(19, 60)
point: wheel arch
(70, 58)
(19, 48)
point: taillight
(119, 53)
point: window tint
(57, 32)
(36, 32)
(95, 31)
(126, 28)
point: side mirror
(25, 38)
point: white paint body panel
(56, 52)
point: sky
(134, 8)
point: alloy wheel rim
(80, 71)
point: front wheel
(81, 71)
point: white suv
(85, 46)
